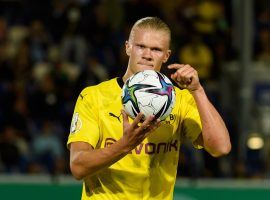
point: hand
(185, 76)
(136, 132)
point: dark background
(50, 50)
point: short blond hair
(154, 23)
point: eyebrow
(152, 48)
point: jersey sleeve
(84, 125)
(192, 125)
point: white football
(149, 92)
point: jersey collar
(120, 82)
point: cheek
(134, 57)
(136, 54)
(160, 58)
(158, 64)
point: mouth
(147, 65)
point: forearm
(87, 162)
(214, 132)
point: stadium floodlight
(255, 141)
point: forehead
(149, 36)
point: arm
(86, 161)
(215, 137)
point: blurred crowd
(50, 50)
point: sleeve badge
(76, 123)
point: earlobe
(167, 56)
(165, 60)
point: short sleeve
(84, 125)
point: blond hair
(154, 23)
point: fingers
(145, 125)
(125, 118)
(139, 125)
(183, 75)
(150, 124)
(136, 132)
(154, 125)
(137, 120)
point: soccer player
(121, 158)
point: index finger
(175, 66)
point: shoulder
(184, 99)
(104, 88)
(183, 94)
(101, 86)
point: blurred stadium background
(50, 50)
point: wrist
(197, 91)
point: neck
(127, 75)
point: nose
(147, 54)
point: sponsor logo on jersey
(115, 116)
(149, 147)
(82, 96)
(170, 119)
(76, 123)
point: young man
(121, 158)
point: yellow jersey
(149, 170)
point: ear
(128, 48)
(167, 55)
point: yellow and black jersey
(149, 170)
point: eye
(140, 46)
(156, 49)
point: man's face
(147, 49)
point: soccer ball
(149, 92)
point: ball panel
(149, 92)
